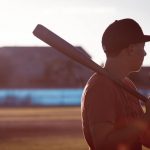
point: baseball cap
(120, 34)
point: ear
(131, 49)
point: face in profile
(138, 56)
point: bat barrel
(64, 47)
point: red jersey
(105, 102)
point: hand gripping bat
(66, 48)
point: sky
(80, 22)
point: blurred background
(40, 88)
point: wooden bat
(66, 48)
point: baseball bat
(66, 48)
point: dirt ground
(40, 121)
(41, 128)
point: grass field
(53, 128)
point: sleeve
(101, 104)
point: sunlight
(79, 22)
(80, 10)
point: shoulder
(100, 87)
(100, 95)
(99, 81)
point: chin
(137, 69)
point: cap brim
(146, 38)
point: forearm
(127, 135)
(112, 138)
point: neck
(116, 68)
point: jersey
(105, 102)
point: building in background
(40, 76)
(40, 67)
